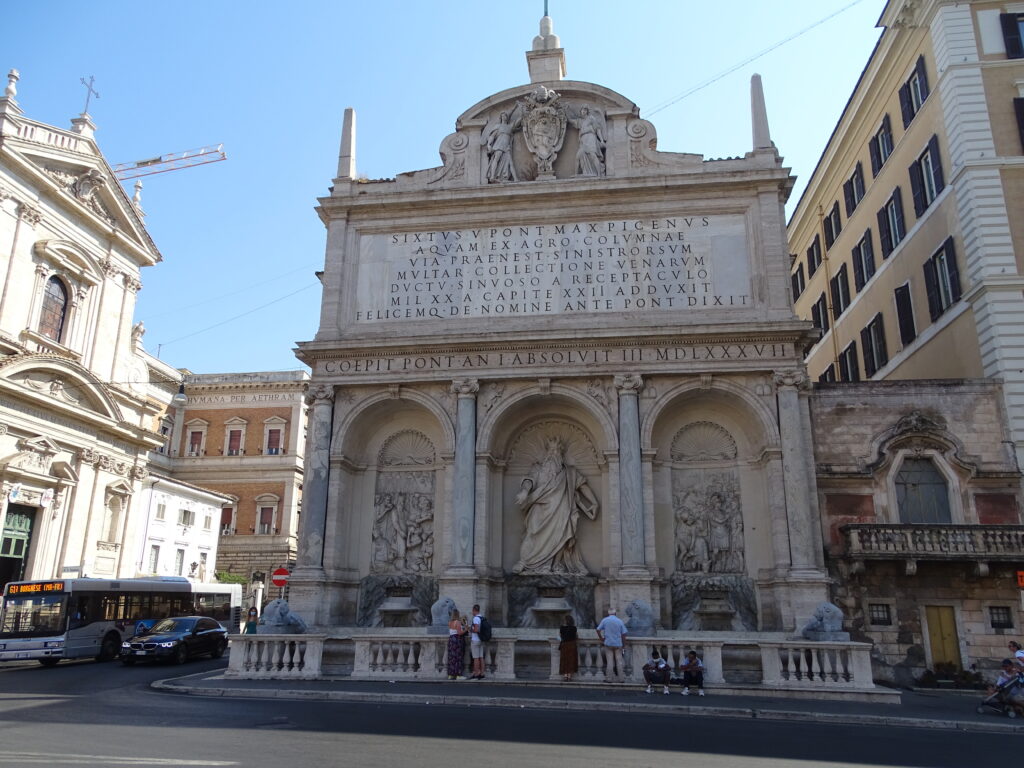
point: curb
(740, 713)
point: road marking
(50, 758)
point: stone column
(314, 497)
(799, 486)
(631, 494)
(464, 492)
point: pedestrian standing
(456, 646)
(612, 634)
(568, 653)
(477, 644)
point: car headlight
(54, 644)
(169, 645)
(126, 644)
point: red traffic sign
(279, 577)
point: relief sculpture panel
(403, 513)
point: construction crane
(170, 162)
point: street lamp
(180, 400)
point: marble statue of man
(552, 498)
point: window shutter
(883, 233)
(834, 287)
(905, 107)
(266, 516)
(933, 150)
(869, 355)
(195, 439)
(225, 516)
(905, 315)
(844, 368)
(811, 266)
(823, 312)
(897, 199)
(234, 440)
(922, 77)
(876, 156)
(854, 365)
(1011, 35)
(858, 271)
(848, 196)
(816, 315)
(931, 286)
(274, 435)
(954, 270)
(881, 350)
(917, 187)
(869, 256)
(830, 236)
(1018, 107)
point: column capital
(791, 379)
(319, 394)
(629, 383)
(30, 214)
(465, 387)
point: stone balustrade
(805, 665)
(275, 657)
(388, 656)
(934, 542)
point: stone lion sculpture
(640, 619)
(825, 624)
(440, 615)
(277, 619)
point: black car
(176, 640)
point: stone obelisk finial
(347, 153)
(547, 59)
(759, 116)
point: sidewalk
(916, 709)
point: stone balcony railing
(978, 544)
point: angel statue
(552, 497)
(590, 154)
(499, 149)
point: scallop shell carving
(408, 448)
(703, 441)
(529, 447)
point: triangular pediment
(73, 167)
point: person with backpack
(480, 635)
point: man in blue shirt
(612, 634)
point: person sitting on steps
(693, 673)
(657, 672)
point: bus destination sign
(35, 587)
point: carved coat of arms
(544, 122)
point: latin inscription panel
(633, 265)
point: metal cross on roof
(90, 91)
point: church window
(922, 493)
(54, 312)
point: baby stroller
(1007, 699)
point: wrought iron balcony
(979, 544)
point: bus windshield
(34, 615)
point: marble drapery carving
(552, 498)
(590, 155)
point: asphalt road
(90, 714)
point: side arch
(343, 427)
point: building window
(819, 313)
(814, 256)
(849, 368)
(234, 437)
(922, 494)
(1018, 107)
(161, 511)
(797, 280)
(186, 517)
(914, 92)
(891, 229)
(55, 309)
(942, 279)
(905, 314)
(863, 261)
(273, 435)
(203, 558)
(1013, 31)
(179, 562)
(1000, 617)
(829, 373)
(266, 524)
(926, 179)
(880, 146)
(165, 432)
(833, 225)
(880, 614)
(840, 286)
(872, 338)
(227, 521)
(154, 558)
(853, 190)
(196, 431)
(207, 522)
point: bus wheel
(110, 647)
(50, 662)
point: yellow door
(942, 635)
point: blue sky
(271, 81)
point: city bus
(81, 618)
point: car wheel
(110, 647)
(180, 654)
(50, 662)
(1011, 712)
(127, 661)
(222, 645)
